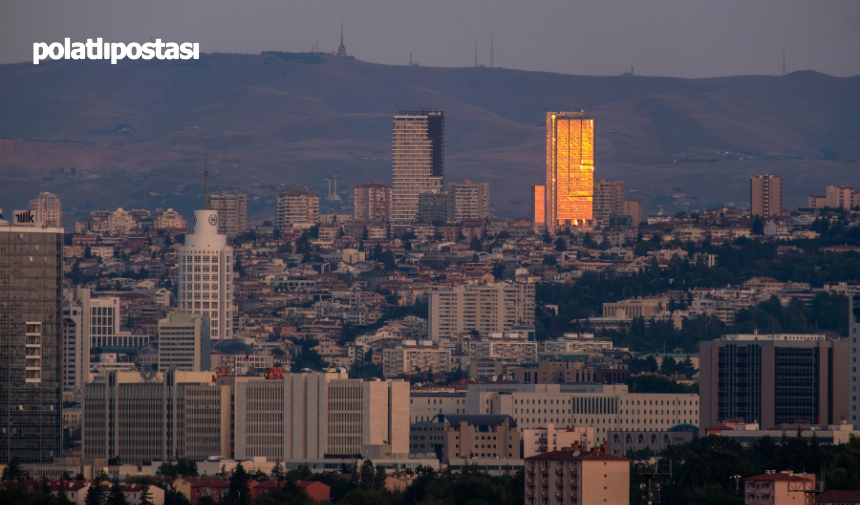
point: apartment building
(451, 437)
(468, 200)
(577, 478)
(46, 210)
(608, 199)
(170, 220)
(633, 208)
(415, 356)
(765, 195)
(298, 208)
(433, 207)
(515, 350)
(418, 159)
(544, 439)
(774, 379)
(488, 308)
(232, 212)
(372, 202)
(854, 356)
(778, 488)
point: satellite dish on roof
(575, 453)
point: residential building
(415, 356)
(633, 208)
(170, 220)
(842, 196)
(774, 379)
(513, 350)
(205, 270)
(577, 478)
(817, 201)
(538, 207)
(451, 437)
(557, 372)
(608, 199)
(418, 159)
(298, 208)
(544, 439)
(765, 195)
(31, 339)
(120, 221)
(569, 169)
(747, 433)
(372, 202)
(468, 200)
(488, 308)
(183, 342)
(47, 210)
(232, 212)
(854, 371)
(433, 207)
(778, 488)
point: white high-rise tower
(205, 274)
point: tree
(668, 366)
(238, 493)
(116, 496)
(475, 245)
(278, 473)
(145, 495)
(549, 260)
(13, 470)
(379, 477)
(174, 497)
(758, 226)
(367, 474)
(186, 468)
(95, 494)
(560, 244)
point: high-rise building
(608, 199)
(539, 207)
(854, 338)
(298, 208)
(183, 342)
(31, 323)
(372, 202)
(47, 210)
(205, 275)
(765, 195)
(489, 308)
(633, 208)
(569, 169)
(842, 196)
(76, 337)
(232, 212)
(102, 327)
(774, 379)
(468, 200)
(418, 159)
(433, 207)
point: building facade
(47, 210)
(842, 196)
(452, 436)
(538, 207)
(31, 325)
(468, 200)
(608, 199)
(569, 169)
(298, 208)
(433, 207)
(577, 478)
(415, 356)
(183, 342)
(765, 195)
(76, 337)
(372, 202)
(633, 208)
(205, 266)
(232, 212)
(854, 372)
(774, 379)
(488, 308)
(418, 159)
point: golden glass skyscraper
(569, 169)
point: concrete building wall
(491, 308)
(765, 195)
(232, 212)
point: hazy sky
(686, 38)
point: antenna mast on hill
(206, 183)
(783, 61)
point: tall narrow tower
(569, 169)
(418, 147)
(341, 50)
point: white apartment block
(488, 308)
(297, 208)
(205, 265)
(415, 356)
(515, 350)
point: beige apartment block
(451, 436)
(170, 220)
(577, 478)
(544, 439)
(47, 210)
(372, 202)
(608, 199)
(425, 406)
(418, 159)
(765, 195)
(633, 208)
(488, 308)
(232, 212)
(415, 356)
(468, 200)
(297, 208)
(842, 196)
(629, 309)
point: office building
(774, 379)
(46, 209)
(298, 208)
(842, 196)
(415, 356)
(143, 416)
(232, 212)
(854, 372)
(514, 350)
(569, 169)
(488, 308)
(76, 337)
(451, 437)
(468, 200)
(372, 202)
(433, 207)
(418, 161)
(633, 208)
(563, 371)
(104, 317)
(320, 415)
(538, 207)
(31, 326)
(608, 199)
(577, 478)
(765, 195)
(183, 342)
(205, 265)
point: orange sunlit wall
(538, 205)
(569, 168)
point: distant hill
(135, 134)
